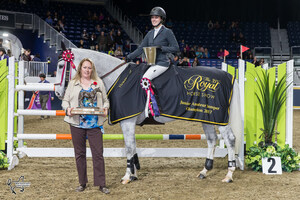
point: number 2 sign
(271, 165)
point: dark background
(204, 10)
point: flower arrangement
(290, 159)
(271, 98)
(3, 161)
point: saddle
(197, 94)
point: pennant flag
(243, 48)
(226, 53)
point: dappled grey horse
(231, 133)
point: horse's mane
(103, 62)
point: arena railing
(264, 52)
(34, 22)
(133, 32)
(50, 34)
(33, 68)
(295, 55)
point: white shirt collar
(156, 30)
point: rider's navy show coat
(165, 39)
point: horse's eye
(60, 66)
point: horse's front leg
(128, 128)
(229, 140)
(211, 137)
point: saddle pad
(200, 94)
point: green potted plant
(3, 161)
(271, 98)
(290, 159)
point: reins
(114, 69)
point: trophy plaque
(150, 53)
(90, 98)
(87, 111)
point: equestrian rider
(161, 37)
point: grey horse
(231, 133)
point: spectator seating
(76, 16)
(293, 29)
(197, 33)
(193, 32)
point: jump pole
(21, 103)
(120, 152)
(12, 159)
(241, 79)
(34, 136)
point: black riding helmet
(42, 75)
(3, 50)
(159, 11)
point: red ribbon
(147, 88)
(68, 56)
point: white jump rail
(36, 87)
(120, 152)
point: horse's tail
(235, 117)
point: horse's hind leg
(211, 137)
(229, 140)
(128, 128)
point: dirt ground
(159, 178)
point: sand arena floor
(159, 178)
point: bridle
(114, 69)
(102, 77)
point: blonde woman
(91, 126)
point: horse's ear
(63, 46)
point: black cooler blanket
(197, 94)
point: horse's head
(60, 79)
(103, 63)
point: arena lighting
(5, 34)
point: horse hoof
(227, 180)
(201, 176)
(133, 178)
(124, 182)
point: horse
(231, 133)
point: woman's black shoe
(104, 189)
(81, 188)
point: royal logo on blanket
(201, 83)
(197, 94)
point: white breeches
(154, 71)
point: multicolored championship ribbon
(68, 56)
(146, 85)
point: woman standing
(161, 37)
(91, 126)
(195, 62)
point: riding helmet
(158, 11)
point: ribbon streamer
(68, 56)
(146, 85)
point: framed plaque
(87, 111)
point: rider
(161, 37)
